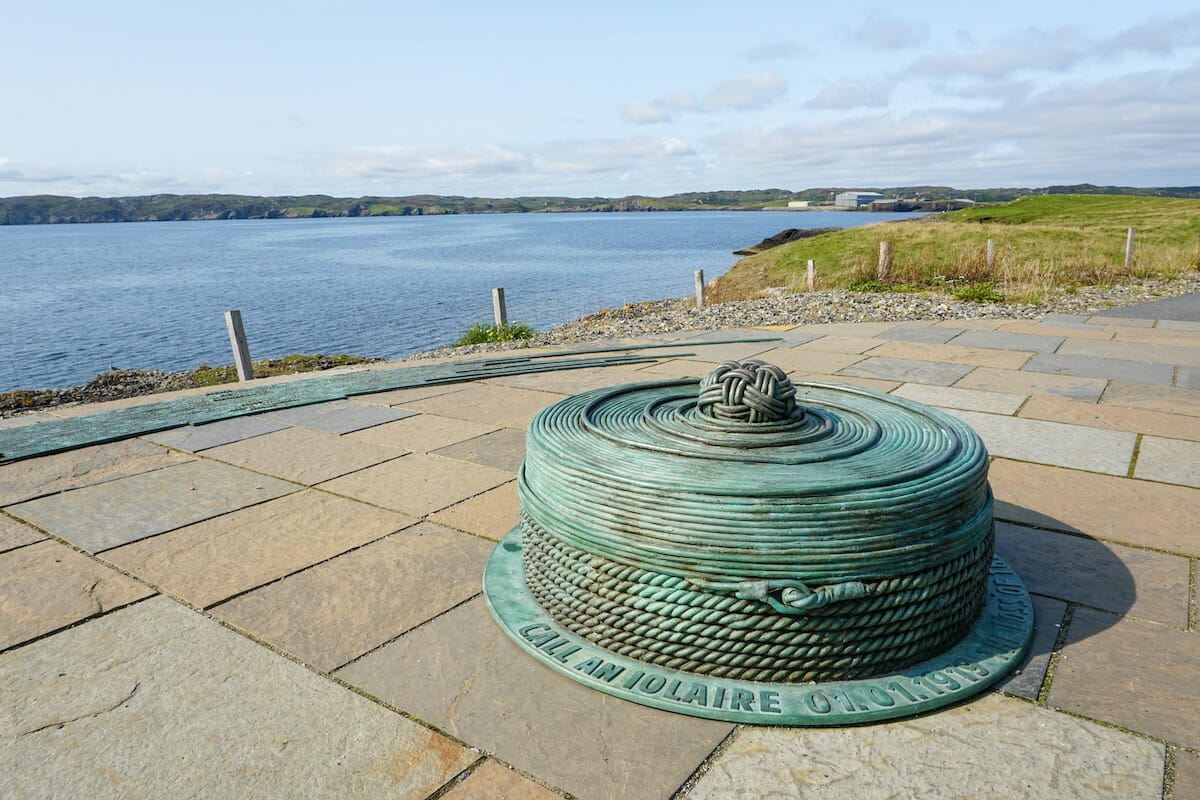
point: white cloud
(774, 51)
(742, 93)
(406, 163)
(848, 93)
(886, 32)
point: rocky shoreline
(658, 317)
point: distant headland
(48, 209)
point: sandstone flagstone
(1169, 399)
(422, 433)
(462, 674)
(35, 477)
(419, 484)
(907, 370)
(503, 449)
(573, 381)
(1116, 509)
(1020, 382)
(954, 353)
(1102, 415)
(491, 514)
(1169, 461)
(398, 397)
(922, 333)
(303, 455)
(338, 610)
(1106, 368)
(1071, 446)
(1124, 580)
(1008, 341)
(15, 534)
(493, 781)
(791, 359)
(1133, 351)
(491, 404)
(194, 438)
(966, 399)
(109, 514)
(1135, 674)
(834, 343)
(1187, 775)
(47, 586)
(218, 558)
(993, 746)
(338, 416)
(157, 701)
(1026, 681)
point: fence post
(1129, 248)
(699, 288)
(811, 275)
(241, 350)
(885, 260)
(498, 308)
(991, 253)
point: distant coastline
(57, 209)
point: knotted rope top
(747, 391)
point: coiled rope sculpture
(752, 529)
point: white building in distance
(856, 199)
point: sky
(610, 99)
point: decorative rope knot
(747, 391)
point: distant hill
(44, 209)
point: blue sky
(502, 99)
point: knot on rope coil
(794, 597)
(746, 391)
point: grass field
(1043, 244)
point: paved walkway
(291, 607)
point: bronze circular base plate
(989, 652)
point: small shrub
(869, 285)
(978, 293)
(488, 332)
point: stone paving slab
(954, 354)
(930, 334)
(972, 324)
(1028, 678)
(422, 433)
(1187, 775)
(992, 747)
(907, 370)
(677, 368)
(846, 380)
(157, 701)
(1133, 351)
(1157, 336)
(504, 449)
(574, 381)
(1135, 674)
(1117, 509)
(216, 559)
(1169, 461)
(462, 674)
(398, 397)
(303, 455)
(491, 404)
(194, 438)
(1091, 449)
(1105, 368)
(1123, 580)
(491, 514)
(965, 399)
(15, 534)
(106, 515)
(1008, 341)
(419, 484)
(792, 360)
(1065, 328)
(853, 345)
(342, 608)
(493, 781)
(1120, 322)
(1169, 399)
(1033, 383)
(47, 586)
(1177, 325)
(34, 477)
(1102, 415)
(1188, 377)
(337, 416)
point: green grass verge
(1044, 243)
(488, 332)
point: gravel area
(658, 317)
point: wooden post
(699, 288)
(1129, 248)
(498, 308)
(812, 275)
(885, 260)
(241, 350)
(991, 253)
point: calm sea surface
(75, 299)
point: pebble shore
(658, 317)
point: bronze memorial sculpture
(751, 550)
